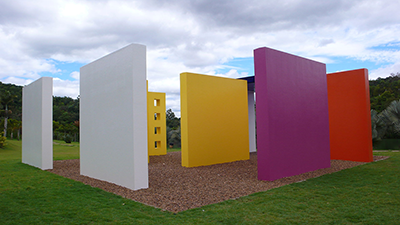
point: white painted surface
(37, 123)
(252, 122)
(113, 118)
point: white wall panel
(252, 121)
(37, 123)
(113, 118)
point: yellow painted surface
(214, 120)
(156, 123)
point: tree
(66, 132)
(6, 99)
(19, 127)
(378, 126)
(65, 110)
(16, 105)
(174, 137)
(14, 125)
(2, 140)
(383, 91)
(173, 129)
(172, 121)
(391, 117)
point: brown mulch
(176, 188)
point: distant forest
(383, 91)
(65, 114)
(66, 110)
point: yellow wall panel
(214, 120)
(156, 123)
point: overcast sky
(56, 37)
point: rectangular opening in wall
(156, 102)
(157, 116)
(157, 144)
(157, 130)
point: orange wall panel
(350, 115)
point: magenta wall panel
(292, 114)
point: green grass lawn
(62, 150)
(173, 149)
(368, 194)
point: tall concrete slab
(252, 121)
(37, 123)
(156, 123)
(214, 120)
(292, 114)
(350, 115)
(252, 113)
(113, 118)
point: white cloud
(65, 88)
(384, 71)
(173, 102)
(191, 36)
(14, 62)
(17, 81)
(75, 75)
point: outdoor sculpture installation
(37, 123)
(214, 120)
(292, 114)
(156, 123)
(350, 116)
(121, 123)
(113, 118)
(251, 111)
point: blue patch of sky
(242, 65)
(338, 64)
(390, 46)
(345, 63)
(65, 69)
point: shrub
(2, 140)
(68, 138)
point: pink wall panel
(292, 114)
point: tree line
(65, 117)
(173, 129)
(384, 97)
(10, 111)
(385, 107)
(65, 114)
(383, 91)
(386, 124)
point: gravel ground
(176, 188)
